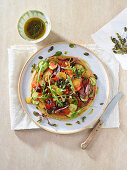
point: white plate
(97, 68)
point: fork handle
(91, 135)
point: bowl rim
(19, 88)
(43, 37)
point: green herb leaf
(53, 124)
(69, 124)
(36, 113)
(86, 53)
(70, 82)
(40, 120)
(125, 29)
(75, 114)
(54, 95)
(58, 53)
(71, 45)
(83, 118)
(51, 48)
(78, 122)
(34, 66)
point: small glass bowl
(33, 14)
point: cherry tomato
(65, 63)
(65, 112)
(34, 84)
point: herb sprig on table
(120, 46)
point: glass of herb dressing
(34, 26)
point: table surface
(72, 20)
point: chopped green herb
(69, 124)
(71, 45)
(75, 113)
(40, 120)
(54, 125)
(51, 48)
(125, 29)
(83, 118)
(97, 90)
(65, 52)
(101, 103)
(78, 122)
(86, 53)
(36, 113)
(58, 53)
(70, 82)
(90, 112)
(34, 66)
(54, 95)
(95, 76)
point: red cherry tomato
(65, 63)
(34, 84)
(64, 112)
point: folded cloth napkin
(103, 40)
(18, 56)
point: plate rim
(19, 89)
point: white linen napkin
(102, 36)
(18, 56)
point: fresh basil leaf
(71, 45)
(58, 53)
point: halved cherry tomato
(66, 92)
(39, 95)
(65, 63)
(34, 84)
(50, 70)
(79, 87)
(69, 72)
(41, 74)
(48, 106)
(64, 112)
(54, 78)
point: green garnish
(70, 82)
(75, 113)
(83, 118)
(78, 122)
(36, 113)
(69, 124)
(90, 112)
(51, 48)
(120, 46)
(34, 66)
(125, 29)
(58, 53)
(71, 45)
(78, 72)
(65, 52)
(75, 100)
(101, 103)
(54, 94)
(86, 53)
(54, 125)
(40, 120)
